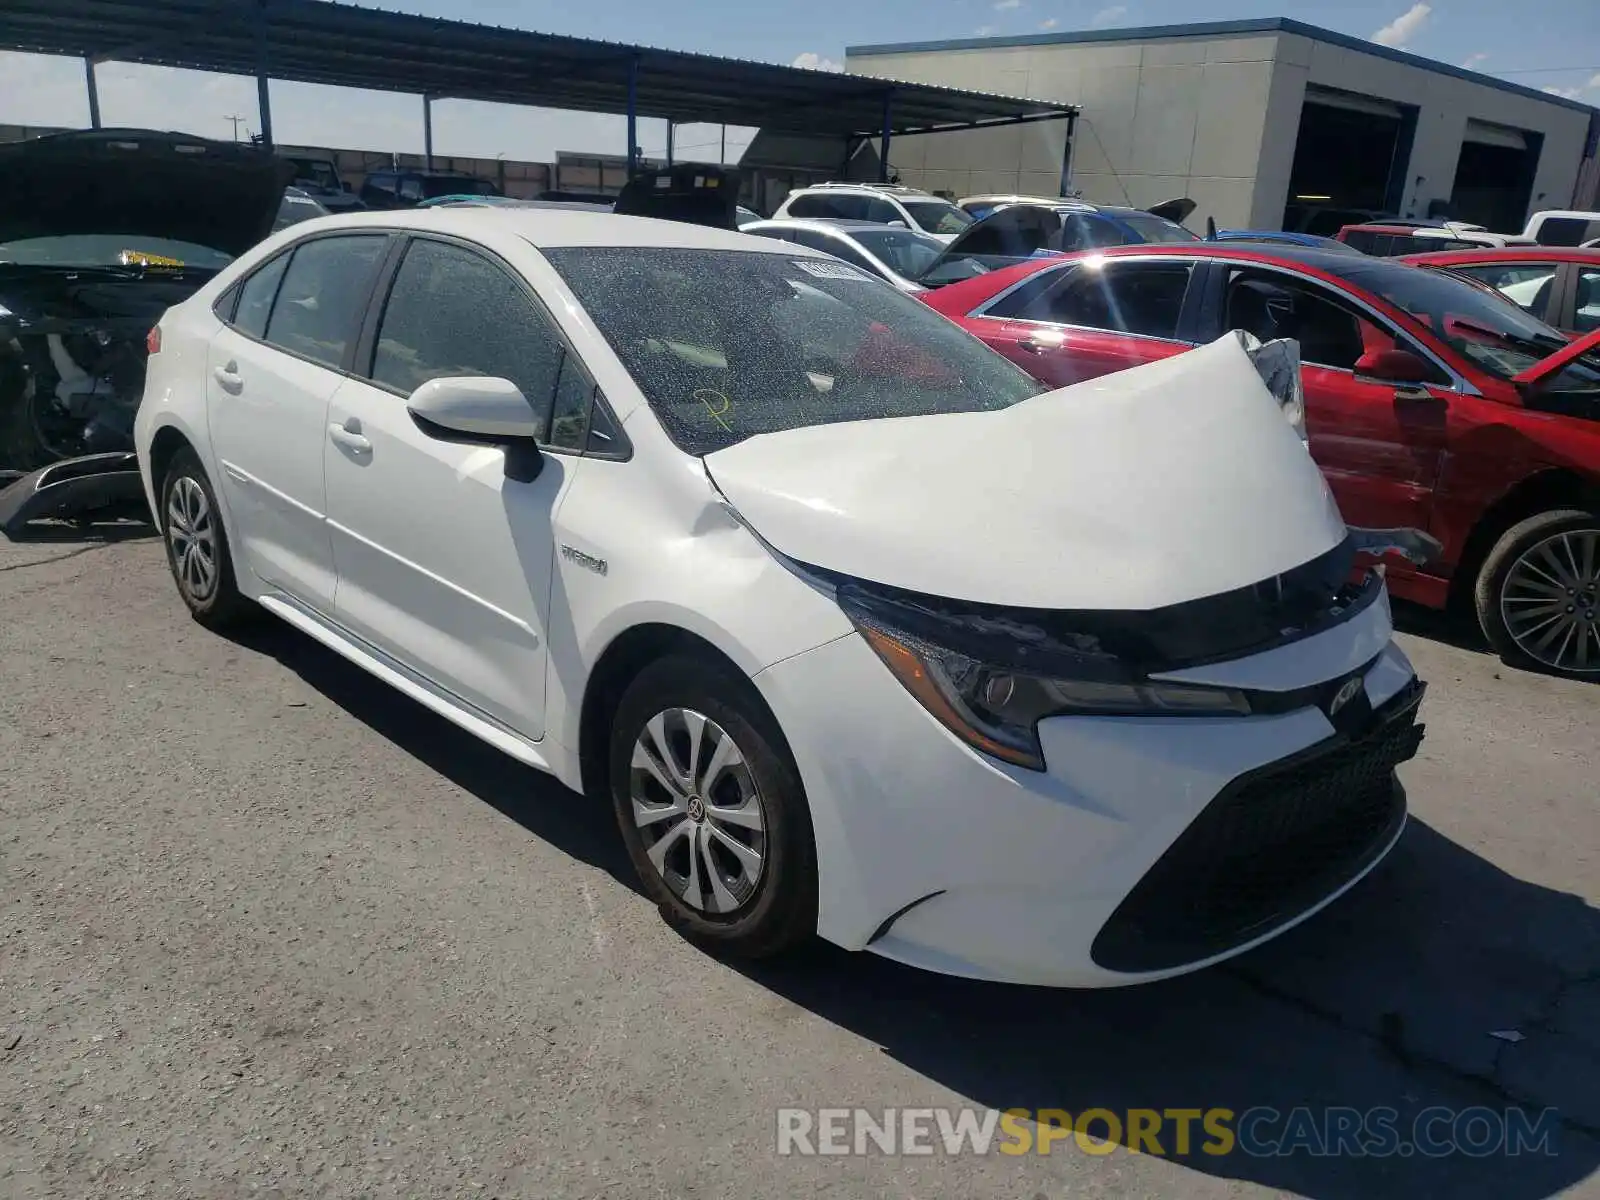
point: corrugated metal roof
(316, 41)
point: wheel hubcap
(698, 810)
(191, 535)
(1551, 601)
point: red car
(1558, 284)
(1431, 403)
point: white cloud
(1594, 82)
(1400, 30)
(1005, 5)
(1049, 24)
(1473, 60)
(49, 91)
(983, 30)
(1108, 16)
(816, 62)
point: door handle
(1042, 343)
(350, 439)
(228, 378)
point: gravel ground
(272, 930)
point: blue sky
(1551, 44)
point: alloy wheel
(1551, 601)
(191, 534)
(698, 811)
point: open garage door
(1349, 159)
(1494, 175)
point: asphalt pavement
(269, 929)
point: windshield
(1473, 319)
(728, 344)
(318, 171)
(295, 207)
(905, 252)
(111, 250)
(1152, 228)
(937, 216)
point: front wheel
(712, 810)
(1538, 594)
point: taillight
(152, 340)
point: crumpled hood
(140, 183)
(1154, 486)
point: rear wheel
(197, 545)
(1538, 594)
(712, 810)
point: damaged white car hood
(1152, 486)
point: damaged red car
(1431, 403)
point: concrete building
(1264, 123)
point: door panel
(1380, 446)
(444, 563)
(1062, 356)
(445, 559)
(268, 412)
(268, 404)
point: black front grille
(1272, 844)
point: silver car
(893, 253)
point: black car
(404, 187)
(100, 233)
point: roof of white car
(551, 228)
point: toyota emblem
(1345, 694)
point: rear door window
(1527, 285)
(322, 296)
(1564, 231)
(1586, 314)
(1144, 298)
(256, 296)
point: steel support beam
(633, 115)
(671, 129)
(94, 92)
(427, 131)
(883, 140)
(1066, 157)
(263, 75)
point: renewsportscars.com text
(1478, 1132)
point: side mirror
(1392, 366)
(897, 223)
(476, 407)
(344, 186)
(481, 410)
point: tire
(1517, 574)
(191, 523)
(705, 890)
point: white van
(1563, 227)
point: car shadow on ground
(1440, 625)
(1389, 1000)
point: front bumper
(1149, 847)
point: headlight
(997, 709)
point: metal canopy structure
(318, 41)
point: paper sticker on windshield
(830, 270)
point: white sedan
(861, 631)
